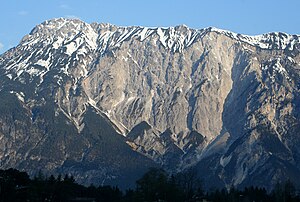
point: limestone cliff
(225, 103)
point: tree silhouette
(155, 185)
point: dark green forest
(155, 185)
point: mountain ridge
(256, 40)
(179, 96)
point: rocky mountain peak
(60, 26)
(182, 97)
(62, 32)
(104, 35)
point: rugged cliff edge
(99, 101)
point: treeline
(155, 185)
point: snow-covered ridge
(273, 40)
(71, 33)
(173, 38)
(78, 40)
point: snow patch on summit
(71, 48)
(274, 40)
(44, 63)
(162, 37)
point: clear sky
(18, 17)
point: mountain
(103, 102)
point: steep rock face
(259, 114)
(223, 102)
(48, 122)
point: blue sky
(18, 17)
